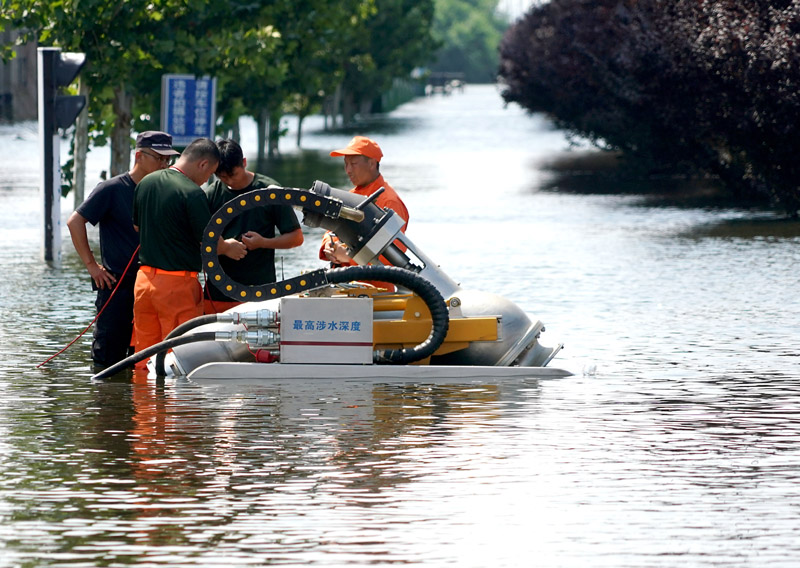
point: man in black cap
(111, 205)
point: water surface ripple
(675, 442)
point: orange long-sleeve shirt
(387, 200)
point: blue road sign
(188, 107)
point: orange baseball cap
(361, 146)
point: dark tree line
(709, 86)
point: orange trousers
(163, 300)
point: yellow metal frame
(415, 324)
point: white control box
(326, 330)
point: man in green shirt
(255, 228)
(170, 211)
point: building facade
(18, 81)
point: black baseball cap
(159, 142)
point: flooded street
(676, 441)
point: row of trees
(469, 32)
(269, 56)
(712, 85)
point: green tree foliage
(268, 55)
(309, 53)
(111, 35)
(395, 37)
(129, 45)
(710, 85)
(469, 32)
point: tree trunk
(365, 108)
(300, 118)
(236, 131)
(348, 109)
(274, 133)
(81, 148)
(121, 132)
(261, 143)
(337, 105)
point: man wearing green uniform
(170, 211)
(255, 228)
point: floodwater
(675, 442)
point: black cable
(398, 276)
(417, 284)
(191, 324)
(154, 349)
(180, 330)
(100, 311)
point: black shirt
(111, 205)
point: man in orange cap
(362, 164)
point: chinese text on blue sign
(188, 107)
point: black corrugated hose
(417, 284)
(180, 330)
(152, 350)
(398, 276)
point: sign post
(55, 70)
(188, 107)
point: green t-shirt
(258, 266)
(171, 212)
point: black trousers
(111, 339)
